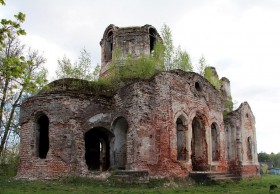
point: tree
(273, 158)
(263, 157)
(21, 75)
(174, 58)
(202, 65)
(80, 70)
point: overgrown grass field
(85, 185)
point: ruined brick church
(170, 125)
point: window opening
(42, 136)
(181, 140)
(153, 39)
(109, 46)
(215, 145)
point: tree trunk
(8, 124)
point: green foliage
(163, 57)
(9, 162)
(274, 158)
(228, 107)
(9, 28)
(202, 65)
(168, 46)
(174, 58)
(21, 75)
(79, 70)
(143, 67)
(213, 79)
(263, 157)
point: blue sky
(240, 38)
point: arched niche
(249, 148)
(119, 143)
(181, 139)
(199, 156)
(215, 142)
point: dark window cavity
(42, 137)
(109, 46)
(153, 38)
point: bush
(9, 163)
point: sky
(241, 38)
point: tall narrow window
(215, 144)
(153, 39)
(42, 136)
(249, 148)
(181, 140)
(109, 47)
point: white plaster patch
(100, 117)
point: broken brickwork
(134, 41)
(169, 126)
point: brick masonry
(168, 126)
(150, 109)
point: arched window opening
(153, 38)
(215, 144)
(228, 144)
(249, 148)
(199, 145)
(181, 140)
(97, 149)
(42, 137)
(119, 147)
(109, 47)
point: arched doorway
(199, 146)
(97, 149)
(119, 143)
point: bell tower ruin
(129, 40)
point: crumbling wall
(70, 116)
(169, 125)
(134, 41)
(240, 125)
(153, 108)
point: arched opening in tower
(153, 38)
(42, 136)
(97, 149)
(109, 47)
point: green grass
(85, 185)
